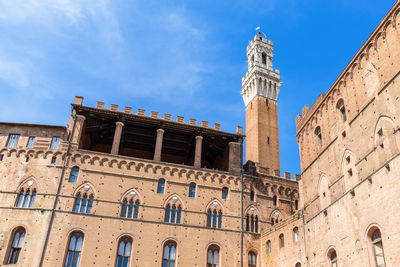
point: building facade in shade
(117, 188)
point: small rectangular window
(55, 141)
(31, 142)
(12, 140)
(53, 160)
(1, 157)
(268, 140)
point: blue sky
(180, 57)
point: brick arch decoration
(28, 183)
(87, 188)
(174, 199)
(211, 205)
(127, 195)
(382, 120)
(278, 218)
(81, 159)
(252, 210)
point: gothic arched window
(130, 206)
(26, 199)
(252, 259)
(124, 252)
(173, 210)
(318, 135)
(74, 249)
(376, 247)
(281, 240)
(342, 109)
(213, 256)
(269, 249)
(252, 223)
(16, 245)
(332, 257)
(169, 254)
(83, 204)
(214, 216)
(296, 235)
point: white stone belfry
(261, 78)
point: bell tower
(260, 90)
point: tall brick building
(117, 188)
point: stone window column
(234, 157)
(117, 138)
(197, 155)
(80, 120)
(158, 148)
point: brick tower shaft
(260, 90)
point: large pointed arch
(87, 188)
(383, 119)
(171, 200)
(212, 205)
(127, 194)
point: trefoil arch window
(16, 245)
(169, 254)
(173, 210)
(252, 259)
(124, 252)
(130, 206)
(83, 203)
(26, 198)
(213, 256)
(214, 215)
(74, 249)
(275, 217)
(251, 222)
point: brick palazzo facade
(116, 188)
